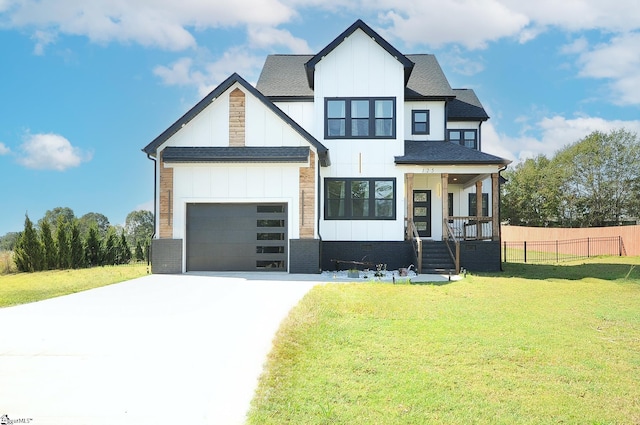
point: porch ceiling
(466, 179)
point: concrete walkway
(161, 349)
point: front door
(422, 212)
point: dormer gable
(310, 66)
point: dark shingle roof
(466, 106)
(427, 79)
(151, 148)
(175, 154)
(435, 153)
(284, 76)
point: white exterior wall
(436, 120)
(209, 128)
(302, 113)
(359, 67)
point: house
(356, 156)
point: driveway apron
(160, 349)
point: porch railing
(412, 235)
(453, 245)
(470, 227)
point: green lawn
(21, 288)
(536, 344)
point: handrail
(452, 237)
(412, 233)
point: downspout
(318, 203)
(155, 194)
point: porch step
(436, 258)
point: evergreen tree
(93, 250)
(139, 252)
(124, 256)
(64, 244)
(110, 249)
(50, 251)
(28, 252)
(77, 250)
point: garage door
(242, 237)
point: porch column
(409, 198)
(445, 203)
(495, 205)
(478, 209)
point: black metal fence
(558, 251)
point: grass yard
(537, 344)
(24, 288)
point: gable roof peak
(310, 66)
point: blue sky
(84, 86)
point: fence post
(504, 243)
(588, 249)
(620, 245)
(557, 256)
(525, 251)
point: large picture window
(360, 199)
(360, 118)
(467, 138)
(485, 205)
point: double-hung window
(360, 199)
(420, 122)
(363, 118)
(467, 138)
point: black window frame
(348, 200)
(427, 122)
(462, 140)
(348, 120)
(485, 205)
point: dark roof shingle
(438, 153)
(177, 154)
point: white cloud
(265, 37)
(617, 61)
(50, 152)
(207, 75)
(554, 133)
(162, 23)
(469, 23)
(145, 206)
(4, 150)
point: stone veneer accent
(307, 198)
(166, 201)
(236, 118)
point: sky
(85, 85)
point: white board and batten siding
(437, 124)
(359, 67)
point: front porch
(423, 213)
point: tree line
(61, 241)
(592, 182)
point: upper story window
(360, 118)
(468, 138)
(420, 122)
(360, 199)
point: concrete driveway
(161, 349)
